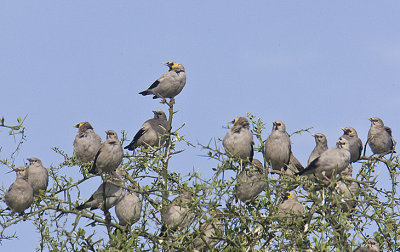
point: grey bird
(109, 157)
(109, 193)
(150, 132)
(238, 141)
(38, 176)
(177, 214)
(289, 205)
(380, 138)
(372, 246)
(356, 147)
(278, 147)
(349, 190)
(321, 146)
(20, 194)
(209, 232)
(87, 143)
(169, 84)
(332, 161)
(128, 210)
(251, 181)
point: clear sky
(307, 63)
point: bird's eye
(279, 124)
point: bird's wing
(94, 168)
(388, 130)
(310, 168)
(155, 84)
(296, 162)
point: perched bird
(169, 84)
(289, 205)
(129, 208)
(380, 137)
(238, 141)
(209, 231)
(332, 161)
(356, 147)
(321, 146)
(20, 194)
(251, 181)
(150, 132)
(372, 246)
(278, 147)
(109, 193)
(177, 214)
(109, 157)
(38, 176)
(87, 143)
(349, 190)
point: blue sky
(307, 63)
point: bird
(349, 190)
(87, 143)
(380, 138)
(177, 214)
(278, 147)
(150, 132)
(108, 194)
(38, 176)
(128, 210)
(19, 196)
(209, 231)
(109, 156)
(356, 147)
(289, 206)
(238, 141)
(251, 181)
(321, 146)
(169, 84)
(332, 161)
(372, 246)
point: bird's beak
(370, 119)
(313, 135)
(77, 126)
(344, 130)
(165, 63)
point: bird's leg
(172, 101)
(325, 178)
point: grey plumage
(251, 181)
(294, 165)
(209, 232)
(355, 143)
(349, 189)
(321, 146)
(278, 147)
(111, 191)
(380, 137)
(169, 84)
(289, 205)
(150, 132)
(109, 157)
(177, 214)
(372, 246)
(19, 196)
(332, 161)
(87, 143)
(238, 141)
(128, 210)
(38, 176)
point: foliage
(250, 226)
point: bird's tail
(145, 92)
(129, 147)
(163, 231)
(80, 207)
(93, 170)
